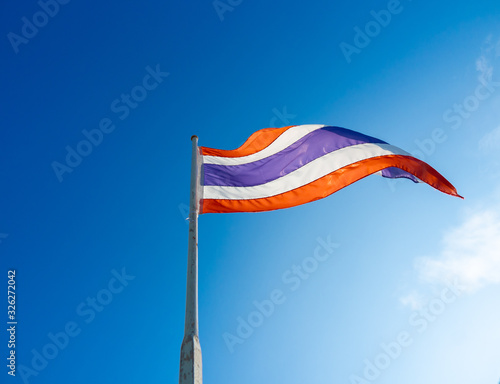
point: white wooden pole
(190, 371)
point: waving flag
(283, 167)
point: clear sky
(99, 103)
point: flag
(284, 167)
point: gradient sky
(424, 76)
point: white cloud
(485, 63)
(470, 253)
(414, 300)
(490, 142)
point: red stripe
(255, 143)
(331, 183)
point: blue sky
(408, 287)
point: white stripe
(314, 170)
(283, 141)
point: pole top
(194, 137)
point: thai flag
(283, 167)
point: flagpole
(190, 371)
